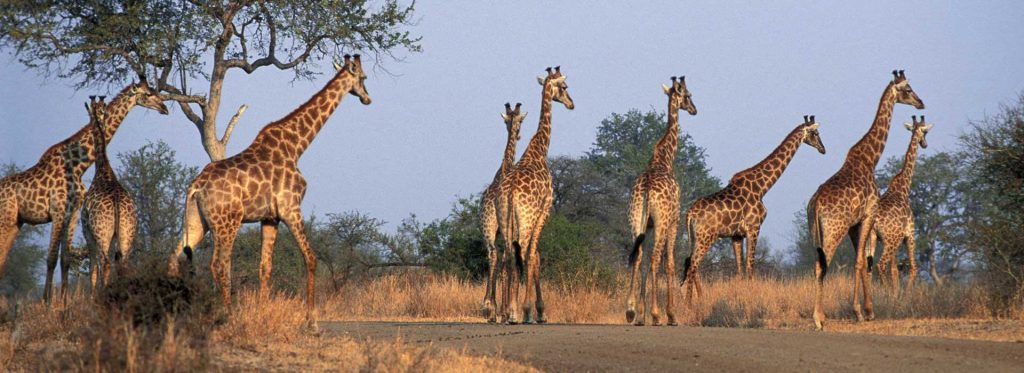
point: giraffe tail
(691, 229)
(189, 207)
(640, 229)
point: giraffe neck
(901, 182)
(537, 150)
(294, 133)
(509, 158)
(664, 156)
(86, 137)
(763, 175)
(103, 170)
(864, 155)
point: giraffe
(846, 203)
(654, 205)
(108, 211)
(737, 211)
(39, 195)
(894, 222)
(527, 196)
(263, 184)
(513, 119)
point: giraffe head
(919, 129)
(905, 94)
(811, 136)
(555, 82)
(97, 109)
(146, 96)
(679, 96)
(513, 119)
(353, 66)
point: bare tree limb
(231, 125)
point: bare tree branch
(232, 123)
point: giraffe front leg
(912, 256)
(8, 233)
(269, 232)
(751, 252)
(295, 224)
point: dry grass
(259, 335)
(269, 335)
(956, 310)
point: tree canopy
(181, 44)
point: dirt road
(560, 348)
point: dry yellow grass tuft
(765, 302)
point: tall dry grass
(257, 335)
(770, 302)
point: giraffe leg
(489, 228)
(882, 264)
(652, 290)
(8, 232)
(854, 233)
(640, 228)
(56, 227)
(751, 253)
(298, 228)
(224, 235)
(865, 279)
(269, 230)
(670, 271)
(737, 247)
(535, 260)
(890, 247)
(635, 260)
(831, 236)
(691, 283)
(69, 235)
(125, 237)
(912, 256)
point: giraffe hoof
(639, 323)
(630, 315)
(672, 321)
(541, 320)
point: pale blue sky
(433, 131)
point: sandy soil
(625, 348)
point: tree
(157, 184)
(178, 42)
(937, 201)
(25, 260)
(597, 189)
(994, 153)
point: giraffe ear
(337, 67)
(523, 115)
(665, 88)
(908, 126)
(928, 127)
(504, 116)
(540, 80)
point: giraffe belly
(260, 207)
